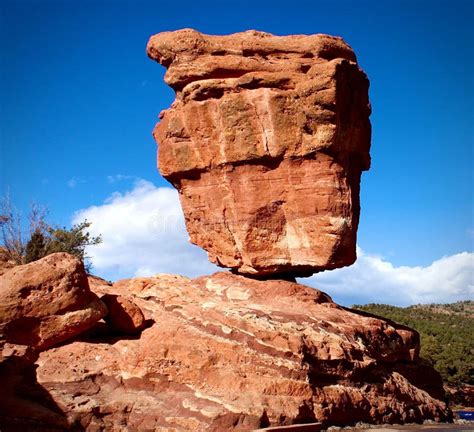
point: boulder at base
(123, 315)
(47, 302)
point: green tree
(447, 332)
(73, 241)
(430, 348)
(43, 238)
(36, 246)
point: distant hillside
(447, 335)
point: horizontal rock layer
(230, 353)
(265, 142)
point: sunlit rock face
(46, 302)
(230, 353)
(265, 142)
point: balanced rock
(227, 353)
(265, 142)
(47, 302)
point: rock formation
(47, 302)
(42, 304)
(123, 315)
(218, 353)
(24, 404)
(225, 352)
(265, 142)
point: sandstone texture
(230, 353)
(123, 315)
(24, 404)
(47, 302)
(265, 142)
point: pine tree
(36, 246)
(73, 241)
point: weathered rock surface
(123, 315)
(47, 302)
(265, 142)
(98, 285)
(226, 353)
(24, 404)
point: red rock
(123, 315)
(5, 262)
(24, 404)
(98, 285)
(226, 352)
(265, 142)
(47, 302)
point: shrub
(43, 239)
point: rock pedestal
(265, 142)
(228, 353)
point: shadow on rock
(103, 332)
(25, 405)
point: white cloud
(372, 279)
(143, 233)
(74, 181)
(120, 177)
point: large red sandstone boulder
(226, 353)
(47, 302)
(265, 142)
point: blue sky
(79, 99)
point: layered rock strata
(265, 142)
(225, 352)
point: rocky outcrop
(24, 404)
(225, 352)
(265, 142)
(47, 302)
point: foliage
(43, 238)
(447, 334)
(36, 246)
(73, 241)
